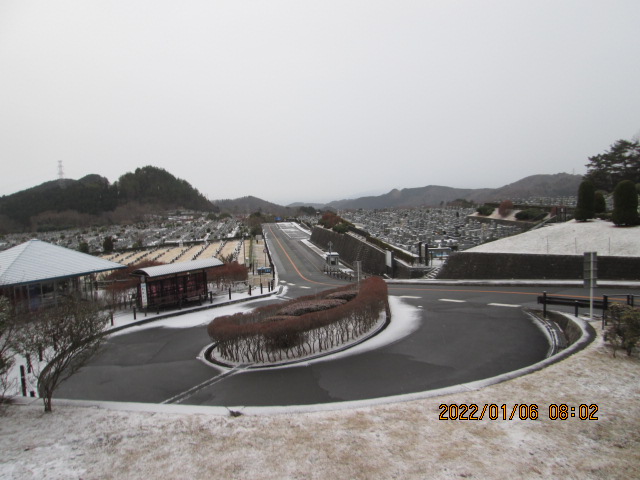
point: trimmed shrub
(268, 335)
(531, 214)
(300, 308)
(485, 210)
(625, 204)
(586, 206)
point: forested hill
(92, 197)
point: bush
(624, 328)
(300, 308)
(275, 332)
(485, 210)
(531, 214)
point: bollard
(544, 304)
(576, 308)
(249, 290)
(229, 293)
(23, 381)
(260, 287)
(111, 313)
(134, 313)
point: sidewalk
(125, 318)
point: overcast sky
(291, 100)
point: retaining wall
(488, 266)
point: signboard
(143, 295)
(590, 275)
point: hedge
(274, 333)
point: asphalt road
(463, 334)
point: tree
(586, 206)
(620, 162)
(600, 205)
(107, 245)
(625, 204)
(62, 339)
(6, 337)
(505, 208)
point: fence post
(229, 293)
(576, 304)
(134, 313)
(544, 304)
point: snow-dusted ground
(397, 440)
(571, 238)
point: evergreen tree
(625, 204)
(600, 203)
(620, 162)
(585, 209)
(107, 245)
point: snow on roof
(36, 261)
(178, 267)
(571, 238)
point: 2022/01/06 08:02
(493, 411)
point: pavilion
(36, 274)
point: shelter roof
(178, 267)
(36, 261)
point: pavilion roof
(36, 261)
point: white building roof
(178, 267)
(36, 261)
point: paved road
(461, 334)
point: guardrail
(577, 303)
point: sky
(292, 100)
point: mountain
(557, 185)
(67, 203)
(249, 204)
(155, 186)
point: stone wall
(351, 249)
(480, 266)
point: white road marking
(451, 300)
(503, 305)
(408, 296)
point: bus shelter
(174, 284)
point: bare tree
(59, 340)
(6, 337)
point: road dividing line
(503, 305)
(207, 383)
(451, 300)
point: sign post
(590, 276)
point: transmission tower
(60, 173)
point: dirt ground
(393, 440)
